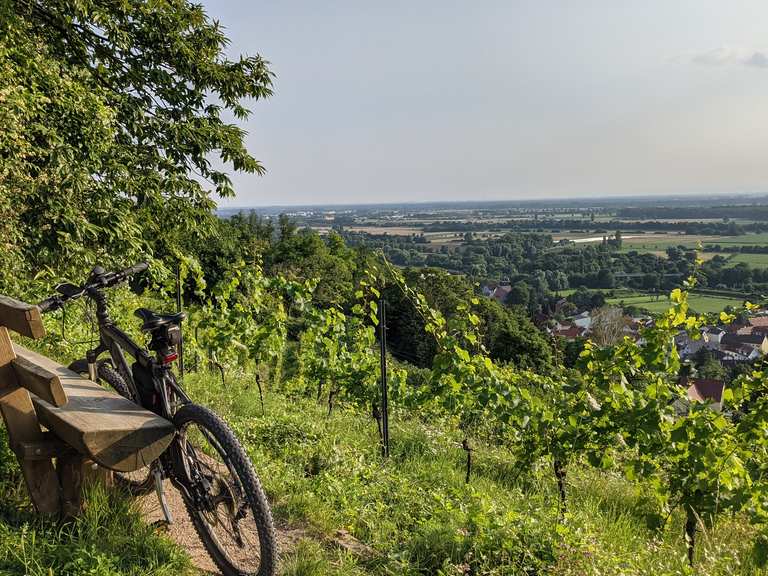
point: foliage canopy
(115, 128)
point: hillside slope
(351, 512)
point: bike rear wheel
(223, 495)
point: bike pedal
(163, 525)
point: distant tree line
(539, 269)
(746, 211)
(729, 228)
(736, 249)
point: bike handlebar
(98, 279)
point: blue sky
(501, 99)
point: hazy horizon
(503, 101)
(560, 200)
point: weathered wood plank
(50, 447)
(100, 424)
(71, 475)
(113, 431)
(42, 380)
(21, 317)
(22, 424)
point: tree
(540, 284)
(305, 255)
(111, 115)
(520, 294)
(510, 336)
(651, 282)
(559, 281)
(286, 227)
(405, 327)
(605, 278)
(709, 367)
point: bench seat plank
(100, 424)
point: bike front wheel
(223, 495)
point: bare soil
(183, 532)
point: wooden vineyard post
(22, 425)
(384, 385)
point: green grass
(700, 303)
(651, 244)
(413, 511)
(110, 538)
(745, 240)
(754, 260)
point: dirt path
(183, 532)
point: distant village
(734, 347)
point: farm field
(701, 303)
(745, 240)
(754, 260)
(658, 243)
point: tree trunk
(559, 469)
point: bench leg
(75, 473)
(21, 421)
(70, 470)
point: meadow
(700, 303)
(754, 260)
(660, 242)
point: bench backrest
(21, 317)
(16, 404)
(43, 381)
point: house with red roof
(705, 390)
(569, 331)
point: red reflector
(170, 358)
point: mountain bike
(205, 461)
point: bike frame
(116, 343)
(203, 488)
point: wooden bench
(86, 425)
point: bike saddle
(154, 320)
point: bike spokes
(219, 498)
